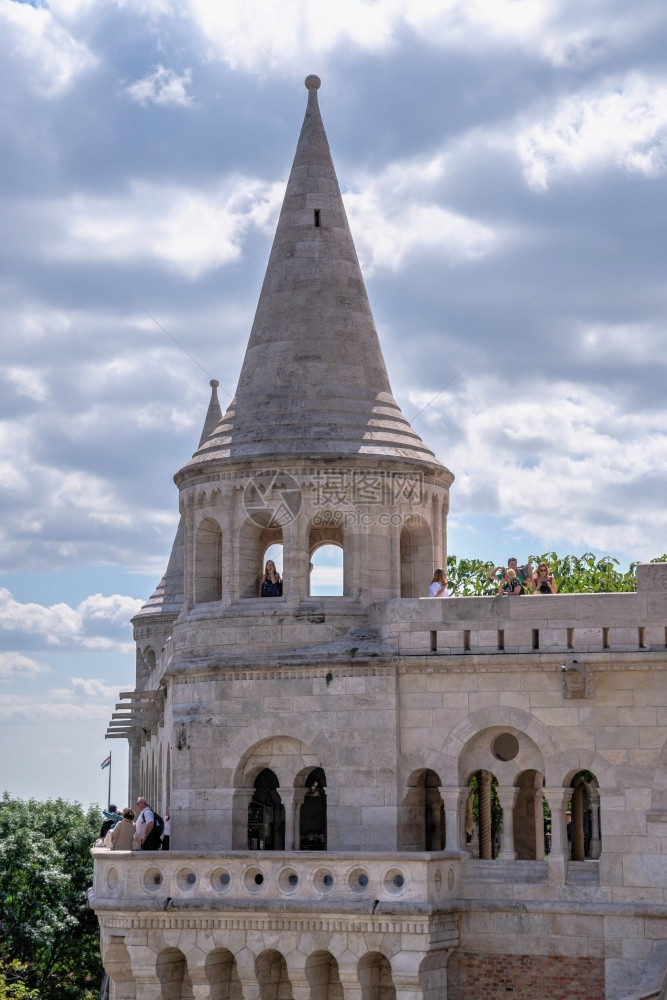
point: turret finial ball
(313, 82)
(214, 383)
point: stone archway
(421, 822)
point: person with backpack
(150, 826)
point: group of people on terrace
(143, 830)
(511, 580)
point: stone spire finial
(213, 414)
(313, 382)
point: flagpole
(109, 795)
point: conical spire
(169, 595)
(313, 382)
(213, 414)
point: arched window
(208, 562)
(266, 815)
(416, 559)
(255, 546)
(583, 817)
(422, 814)
(326, 571)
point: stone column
(408, 987)
(291, 801)
(148, 986)
(507, 795)
(189, 554)
(577, 824)
(433, 804)
(296, 972)
(395, 561)
(484, 792)
(558, 799)
(227, 547)
(351, 986)
(133, 780)
(295, 559)
(596, 842)
(436, 526)
(455, 800)
(539, 825)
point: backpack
(155, 836)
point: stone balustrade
(561, 623)
(237, 880)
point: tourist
(272, 585)
(438, 586)
(147, 835)
(543, 581)
(509, 584)
(111, 817)
(167, 832)
(122, 835)
(523, 573)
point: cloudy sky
(504, 168)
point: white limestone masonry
(363, 786)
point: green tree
(469, 577)
(48, 934)
(573, 574)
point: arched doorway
(422, 815)
(208, 562)
(266, 815)
(272, 976)
(583, 817)
(255, 544)
(313, 813)
(375, 978)
(416, 559)
(323, 977)
(172, 971)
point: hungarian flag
(106, 762)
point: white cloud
(621, 124)
(191, 231)
(44, 53)
(162, 87)
(562, 462)
(391, 224)
(16, 666)
(97, 623)
(86, 699)
(93, 688)
(255, 37)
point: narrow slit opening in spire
(317, 218)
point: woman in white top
(438, 586)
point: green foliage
(470, 577)
(573, 574)
(12, 982)
(48, 934)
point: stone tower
(357, 784)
